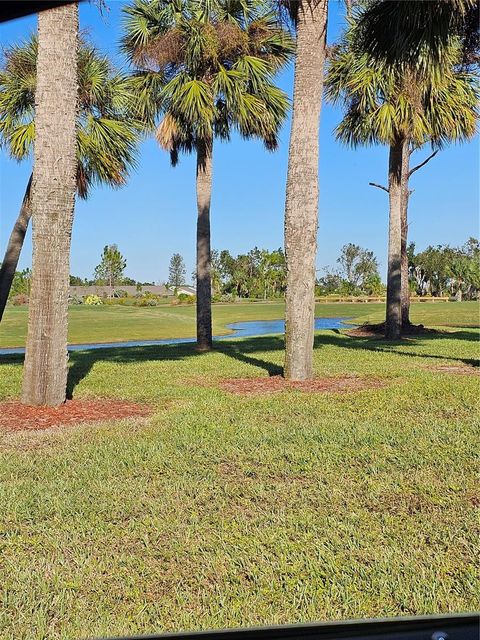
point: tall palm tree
(53, 199)
(208, 69)
(106, 134)
(301, 206)
(392, 104)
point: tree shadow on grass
(245, 350)
(242, 351)
(380, 345)
(82, 362)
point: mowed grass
(223, 510)
(119, 324)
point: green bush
(147, 300)
(185, 298)
(117, 301)
(20, 284)
(93, 300)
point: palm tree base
(203, 348)
(377, 331)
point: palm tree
(53, 200)
(208, 68)
(391, 104)
(106, 135)
(301, 207)
(417, 32)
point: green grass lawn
(117, 323)
(224, 510)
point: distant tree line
(445, 270)
(356, 274)
(257, 274)
(436, 271)
(77, 281)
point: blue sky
(154, 215)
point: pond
(250, 329)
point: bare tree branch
(422, 164)
(379, 186)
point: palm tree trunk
(405, 295)
(14, 248)
(53, 200)
(204, 258)
(393, 323)
(301, 207)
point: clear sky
(154, 215)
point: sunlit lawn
(223, 510)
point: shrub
(75, 300)
(93, 300)
(185, 298)
(20, 284)
(115, 301)
(224, 297)
(19, 299)
(374, 286)
(147, 300)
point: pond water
(250, 329)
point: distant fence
(354, 299)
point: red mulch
(19, 417)
(275, 384)
(378, 330)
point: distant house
(131, 290)
(186, 290)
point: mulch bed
(378, 330)
(276, 384)
(15, 416)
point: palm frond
(214, 62)
(415, 32)
(383, 100)
(108, 126)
